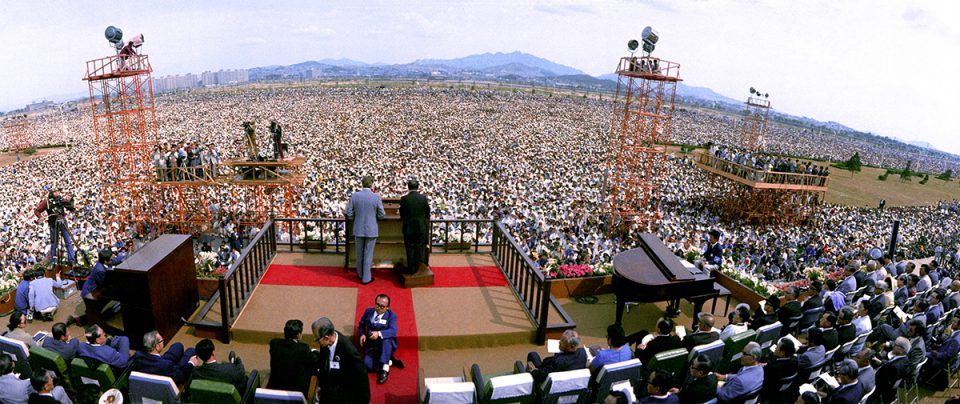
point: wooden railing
(243, 276)
(330, 234)
(530, 285)
(757, 177)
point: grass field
(864, 189)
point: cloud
(315, 31)
(565, 9)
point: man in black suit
(703, 385)
(42, 383)
(705, 333)
(827, 324)
(176, 363)
(662, 341)
(230, 372)
(343, 376)
(415, 214)
(783, 365)
(571, 357)
(892, 370)
(814, 300)
(291, 361)
(790, 309)
(713, 255)
(846, 331)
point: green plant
(29, 151)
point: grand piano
(652, 273)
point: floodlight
(113, 34)
(632, 45)
(766, 95)
(753, 90)
(650, 38)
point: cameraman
(56, 207)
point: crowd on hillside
(534, 161)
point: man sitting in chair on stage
(378, 338)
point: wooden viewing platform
(759, 179)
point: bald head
(955, 286)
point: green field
(864, 189)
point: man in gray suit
(365, 208)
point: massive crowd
(534, 161)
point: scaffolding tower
(639, 134)
(125, 130)
(754, 125)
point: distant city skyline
(883, 67)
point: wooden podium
(390, 253)
(155, 286)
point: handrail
(531, 286)
(761, 176)
(243, 276)
(338, 227)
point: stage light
(114, 36)
(766, 95)
(753, 90)
(650, 38)
(632, 45)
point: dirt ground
(10, 158)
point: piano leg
(621, 303)
(673, 308)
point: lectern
(155, 286)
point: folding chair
(102, 375)
(768, 334)
(19, 353)
(809, 319)
(502, 388)
(42, 358)
(910, 383)
(271, 396)
(569, 386)
(673, 361)
(149, 388)
(712, 351)
(614, 373)
(445, 390)
(733, 349)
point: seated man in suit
(737, 324)
(813, 354)
(343, 377)
(659, 386)
(61, 342)
(850, 390)
(849, 283)
(702, 386)
(827, 328)
(705, 333)
(663, 340)
(938, 360)
(176, 363)
(747, 380)
(783, 365)
(846, 331)
(12, 388)
(813, 300)
(894, 369)
(378, 338)
(114, 351)
(45, 392)
(767, 314)
(867, 375)
(790, 309)
(571, 357)
(291, 361)
(231, 371)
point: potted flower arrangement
(580, 279)
(8, 290)
(208, 273)
(745, 287)
(453, 240)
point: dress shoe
(367, 283)
(382, 378)
(397, 363)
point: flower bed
(206, 263)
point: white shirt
(333, 349)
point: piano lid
(651, 264)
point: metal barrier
(530, 285)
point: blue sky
(889, 67)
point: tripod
(60, 238)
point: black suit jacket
(861, 278)
(699, 390)
(699, 338)
(813, 302)
(414, 212)
(788, 310)
(846, 333)
(36, 398)
(161, 365)
(291, 365)
(349, 384)
(831, 338)
(232, 373)
(658, 344)
(888, 374)
(774, 371)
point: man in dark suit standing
(231, 371)
(364, 209)
(343, 377)
(415, 214)
(378, 338)
(291, 361)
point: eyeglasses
(382, 306)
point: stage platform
(470, 304)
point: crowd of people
(533, 161)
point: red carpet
(401, 387)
